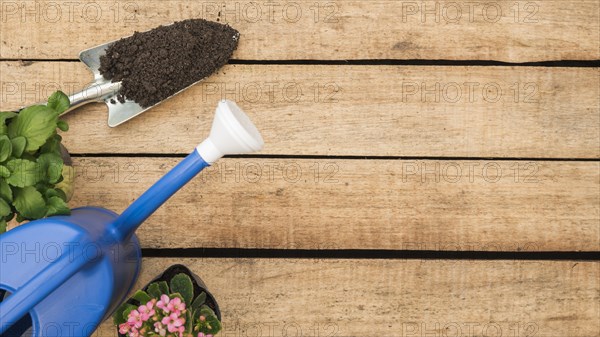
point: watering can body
(68, 273)
(105, 271)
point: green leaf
(5, 191)
(142, 297)
(174, 295)
(58, 102)
(188, 320)
(4, 172)
(164, 287)
(4, 208)
(118, 315)
(52, 165)
(197, 304)
(181, 283)
(62, 125)
(52, 145)
(211, 324)
(5, 148)
(51, 192)
(29, 203)
(126, 310)
(18, 146)
(4, 115)
(206, 310)
(57, 206)
(154, 290)
(2, 226)
(65, 186)
(24, 172)
(36, 123)
(201, 299)
(9, 217)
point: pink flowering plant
(168, 310)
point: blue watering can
(62, 276)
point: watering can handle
(39, 287)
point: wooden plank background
(395, 151)
(276, 298)
(504, 30)
(310, 110)
(360, 204)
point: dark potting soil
(156, 64)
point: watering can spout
(232, 132)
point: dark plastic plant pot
(199, 287)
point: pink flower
(163, 303)
(160, 329)
(124, 328)
(146, 311)
(176, 305)
(173, 322)
(135, 319)
(201, 334)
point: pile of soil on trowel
(156, 64)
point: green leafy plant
(168, 310)
(32, 184)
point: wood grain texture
(504, 30)
(359, 204)
(349, 110)
(264, 297)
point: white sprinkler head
(232, 132)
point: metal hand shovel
(103, 90)
(63, 275)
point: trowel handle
(155, 196)
(96, 92)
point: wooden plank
(505, 30)
(359, 204)
(322, 110)
(265, 297)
